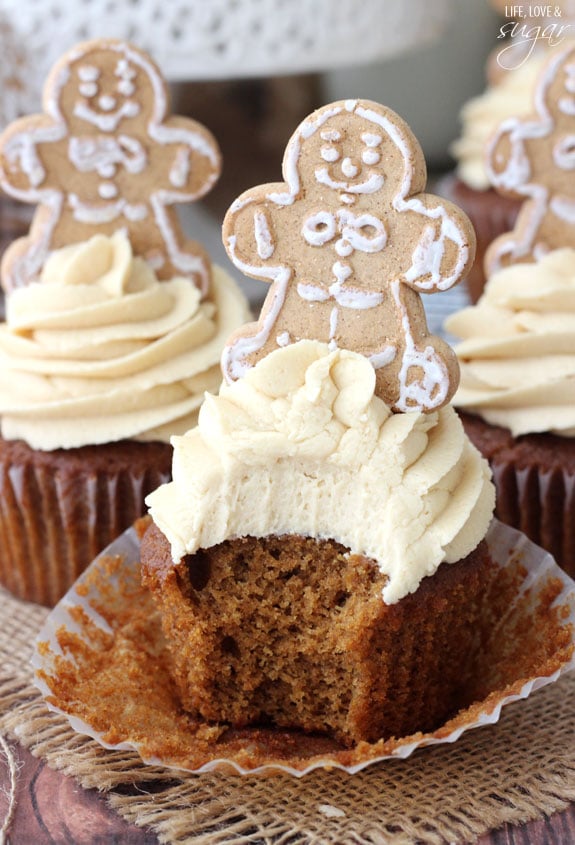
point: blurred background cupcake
(114, 321)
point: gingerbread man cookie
(534, 160)
(348, 242)
(107, 155)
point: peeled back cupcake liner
(59, 509)
(103, 642)
(491, 214)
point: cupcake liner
(540, 503)
(58, 510)
(100, 660)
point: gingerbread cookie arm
(249, 234)
(22, 171)
(446, 248)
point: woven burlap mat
(517, 770)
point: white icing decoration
(88, 73)
(383, 358)
(319, 228)
(567, 105)
(107, 103)
(107, 190)
(88, 89)
(343, 248)
(424, 393)
(330, 154)
(330, 135)
(234, 364)
(312, 293)
(370, 157)
(341, 271)
(180, 169)
(564, 208)
(332, 329)
(125, 87)
(102, 153)
(564, 153)
(283, 339)
(371, 185)
(348, 168)
(351, 227)
(107, 122)
(95, 214)
(370, 139)
(264, 241)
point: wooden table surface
(52, 809)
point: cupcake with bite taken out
(318, 559)
(114, 322)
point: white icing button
(107, 190)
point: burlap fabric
(514, 771)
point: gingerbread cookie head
(105, 155)
(533, 159)
(349, 241)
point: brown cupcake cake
(114, 322)
(317, 560)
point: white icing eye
(329, 153)
(370, 157)
(126, 88)
(88, 73)
(107, 103)
(88, 89)
(564, 153)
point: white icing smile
(106, 122)
(370, 185)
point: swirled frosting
(99, 349)
(481, 116)
(517, 355)
(301, 445)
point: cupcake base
(535, 479)
(59, 509)
(291, 632)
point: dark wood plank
(52, 809)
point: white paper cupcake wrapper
(505, 545)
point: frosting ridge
(517, 350)
(99, 349)
(302, 445)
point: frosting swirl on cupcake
(100, 350)
(300, 445)
(517, 355)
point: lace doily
(210, 39)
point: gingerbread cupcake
(518, 343)
(114, 321)
(318, 559)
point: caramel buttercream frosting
(301, 445)
(517, 350)
(98, 349)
